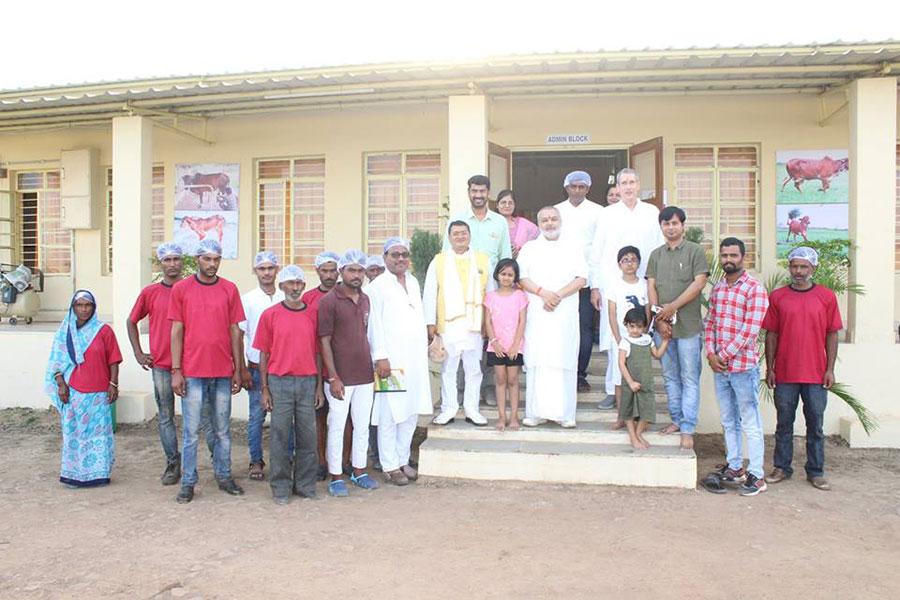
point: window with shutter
(43, 242)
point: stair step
(591, 432)
(587, 412)
(558, 462)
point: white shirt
(626, 296)
(255, 302)
(579, 223)
(623, 226)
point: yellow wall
(773, 122)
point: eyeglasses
(398, 255)
(628, 260)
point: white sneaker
(567, 424)
(532, 422)
(444, 418)
(476, 418)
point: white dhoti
(394, 439)
(551, 393)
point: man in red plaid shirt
(737, 306)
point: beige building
(346, 156)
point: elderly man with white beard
(552, 272)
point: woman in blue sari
(82, 381)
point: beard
(730, 268)
(551, 235)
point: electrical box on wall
(81, 189)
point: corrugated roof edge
(828, 47)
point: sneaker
(753, 485)
(185, 494)
(583, 386)
(732, 476)
(172, 474)
(338, 488)
(777, 475)
(364, 481)
(567, 424)
(476, 418)
(397, 477)
(819, 482)
(444, 418)
(532, 422)
(230, 487)
(608, 403)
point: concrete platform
(558, 462)
(587, 432)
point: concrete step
(558, 462)
(587, 412)
(591, 432)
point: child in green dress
(638, 407)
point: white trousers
(613, 375)
(358, 403)
(471, 360)
(394, 439)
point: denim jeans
(738, 395)
(165, 407)
(294, 402)
(586, 330)
(681, 373)
(815, 399)
(216, 392)
(256, 419)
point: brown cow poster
(812, 197)
(206, 205)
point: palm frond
(868, 421)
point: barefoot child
(638, 408)
(504, 323)
(627, 292)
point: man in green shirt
(490, 231)
(676, 274)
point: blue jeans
(256, 419)
(681, 373)
(165, 407)
(815, 399)
(215, 391)
(738, 395)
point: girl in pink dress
(504, 322)
(521, 230)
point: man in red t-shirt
(326, 264)
(802, 324)
(206, 362)
(289, 367)
(153, 302)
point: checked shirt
(733, 321)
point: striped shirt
(735, 315)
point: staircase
(592, 453)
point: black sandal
(260, 475)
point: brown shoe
(410, 473)
(777, 475)
(397, 477)
(819, 482)
(583, 386)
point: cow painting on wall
(206, 205)
(811, 196)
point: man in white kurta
(455, 285)
(580, 222)
(629, 222)
(552, 272)
(399, 344)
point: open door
(647, 159)
(499, 170)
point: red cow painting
(800, 170)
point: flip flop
(713, 483)
(260, 474)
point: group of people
(343, 368)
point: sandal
(257, 472)
(364, 481)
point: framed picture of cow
(206, 205)
(812, 197)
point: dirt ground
(438, 538)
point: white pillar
(873, 131)
(132, 164)
(468, 145)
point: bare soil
(438, 538)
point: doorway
(537, 177)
